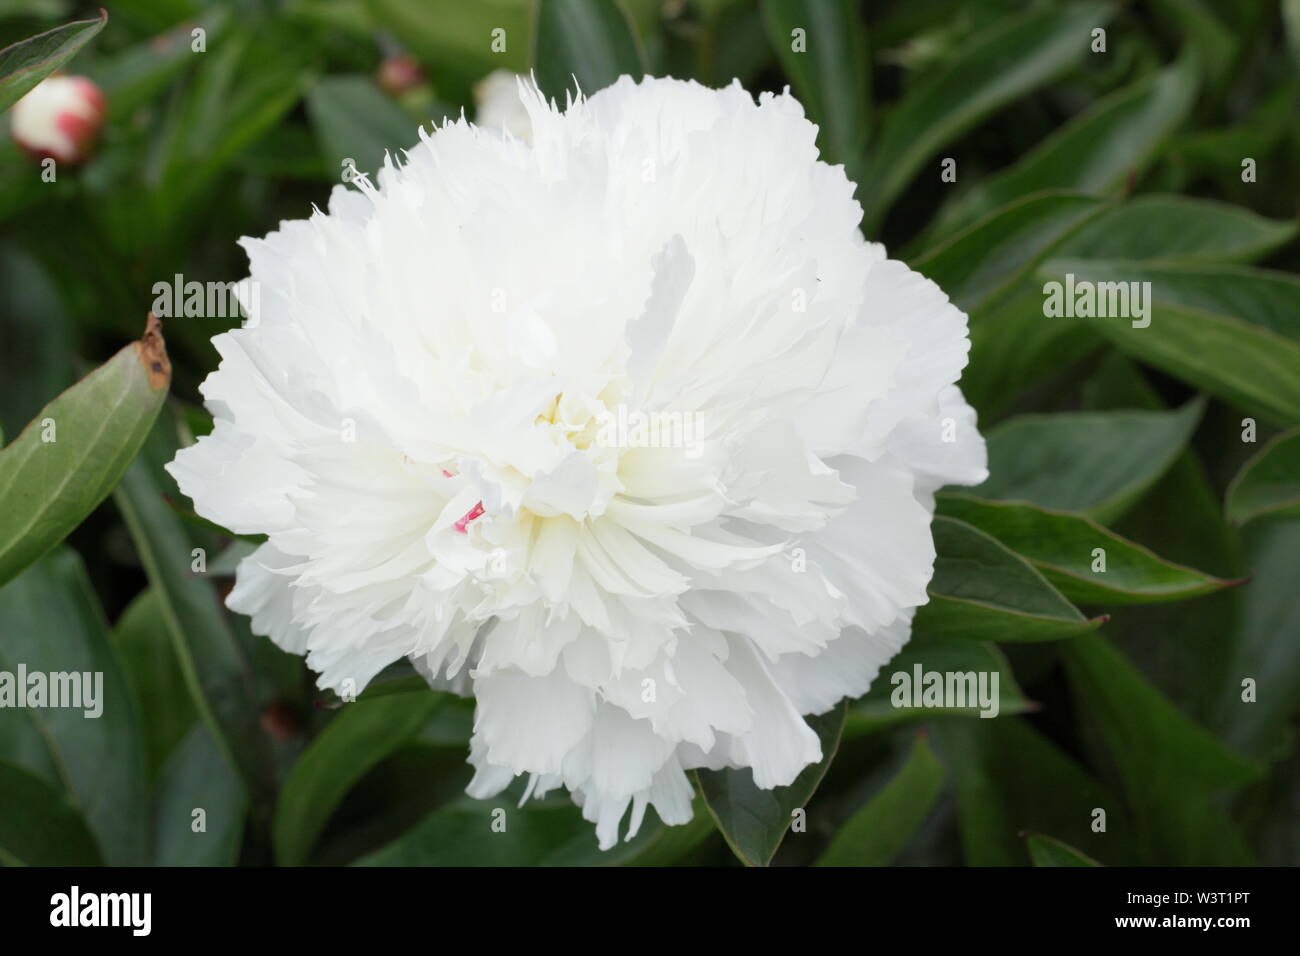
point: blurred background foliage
(1122, 164)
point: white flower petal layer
(625, 430)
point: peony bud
(60, 118)
(399, 74)
(498, 105)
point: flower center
(462, 524)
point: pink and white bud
(60, 117)
(399, 74)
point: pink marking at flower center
(470, 515)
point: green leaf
(1000, 64)
(1232, 330)
(1158, 228)
(1097, 463)
(210, 656)
(155, 15)
(1291, 19)
(1061, 544)
(1268, 484)
(1181, 518)
(348, 17)
(197, 776)
(142, 642)
(549, 832)
(879, 831)
(1094, 153)
(655, 845)
(240, 91)
(1013, 343)
(985, 261)
(1265, 650)
(1265, 298)
(830, 75)
(451, 726)
(1168, 766)
(353, 119)
(461, 834)
(589, 40)
(875, 710)
(363, 734)
(37, 360)
(1048, 851)
(1217, 152)
(1275, 838)
(981, 591)
(384, 685)
(29, 61)
(38, 827)
(457, 36)
(138, 74)
(755, 821)
(75, 451)
(51, 624)
(1217, 44)
(988, 271)
(736, 45)
(1010, 779)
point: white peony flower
(60, 117)
(628, 433)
